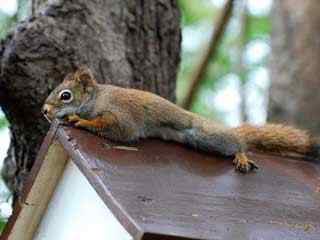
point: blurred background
(235, 85)
(226, 54)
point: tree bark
(295, 63)
(131, 43)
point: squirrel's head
(74, 92)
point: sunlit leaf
(195, 11)
(258, 27)
(2, 224)
(3, 122)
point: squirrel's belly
(121, 134)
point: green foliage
(6, 23)
(23, 9)
(258, 27)
(3, 122)
(217, 69)
(2, 224)
(199, 15)
(195, 11)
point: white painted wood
(77, 212)
(33, 207)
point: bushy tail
(280, 139)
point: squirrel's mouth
(50, 112)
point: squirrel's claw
(243, 164)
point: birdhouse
(84, 187)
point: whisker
(48, 119)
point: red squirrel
(126, 115)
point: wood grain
(167, 191)
(163, 190)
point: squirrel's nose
(47, 110)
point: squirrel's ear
(68, 78)
(85, 76)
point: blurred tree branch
(200, 70)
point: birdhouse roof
(164, 190)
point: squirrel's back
(144, 112)
(153, 116)
(156, 116)
(143, 106)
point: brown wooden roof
(162, 190)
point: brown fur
(275, 138)
(127, 115)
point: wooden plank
(37, 193)
(164, 190)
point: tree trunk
(131, 43)
(295, 63)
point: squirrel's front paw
(243, 164)
(73, 118)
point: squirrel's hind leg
(243, 164)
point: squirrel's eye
(66, 96)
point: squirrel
(126, 115)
